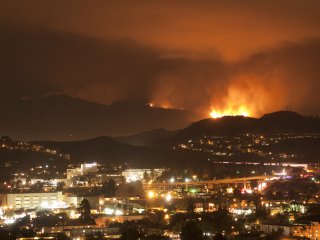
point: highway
(204, 183)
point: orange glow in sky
(240, 111)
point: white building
(89, 168)
(84, 169)
(311, 230)
(133, 175)
(33, 200)
(51, 182)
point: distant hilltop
(272, 123)
(158, 147)
(64, 118)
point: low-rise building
(27, 200)
(96, 179)
(133, 175)
(80, 231)
(75, 201)
(86, 168)
(309, 230)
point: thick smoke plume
(35, 62)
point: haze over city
(160, 120)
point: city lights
(179, 120)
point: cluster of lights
(53, 205)
(110, 211)
(12, 218)
(167, 197)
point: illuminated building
(75, 200)
(33, 200)
(80, 231)
(310, 230)
(51, 182)
(84, 169)
(133, 175)
(96, 179)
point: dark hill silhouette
(106, 149)
(282, 115)
(60, 117)
(147, 138)
(287, 121)
(277, 122)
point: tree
(254, 184)
(191, 231)
(18, 184)
(38, 186)
(60, 186)
(292, 194)
(146, 176)
(219, 236)
(275, 235)
(191, 206)
(85, 212)
(95, 236)
(171, 207)
(152, 174)
(269, 195)
(222, 220)
(109, 188)
(156, 237)
(279, 195)
(261, 211)
(129, 231)
(237, 193)
(47, 219)
(25, 233)
(62, 236)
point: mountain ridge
(272, 123)
(61, 118)
(156, 148)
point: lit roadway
(203, 183)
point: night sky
(250, 56)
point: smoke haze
(199, 57)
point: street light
(168, 197)
(151, 194)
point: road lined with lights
(207, 182)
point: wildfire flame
(241, 111)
